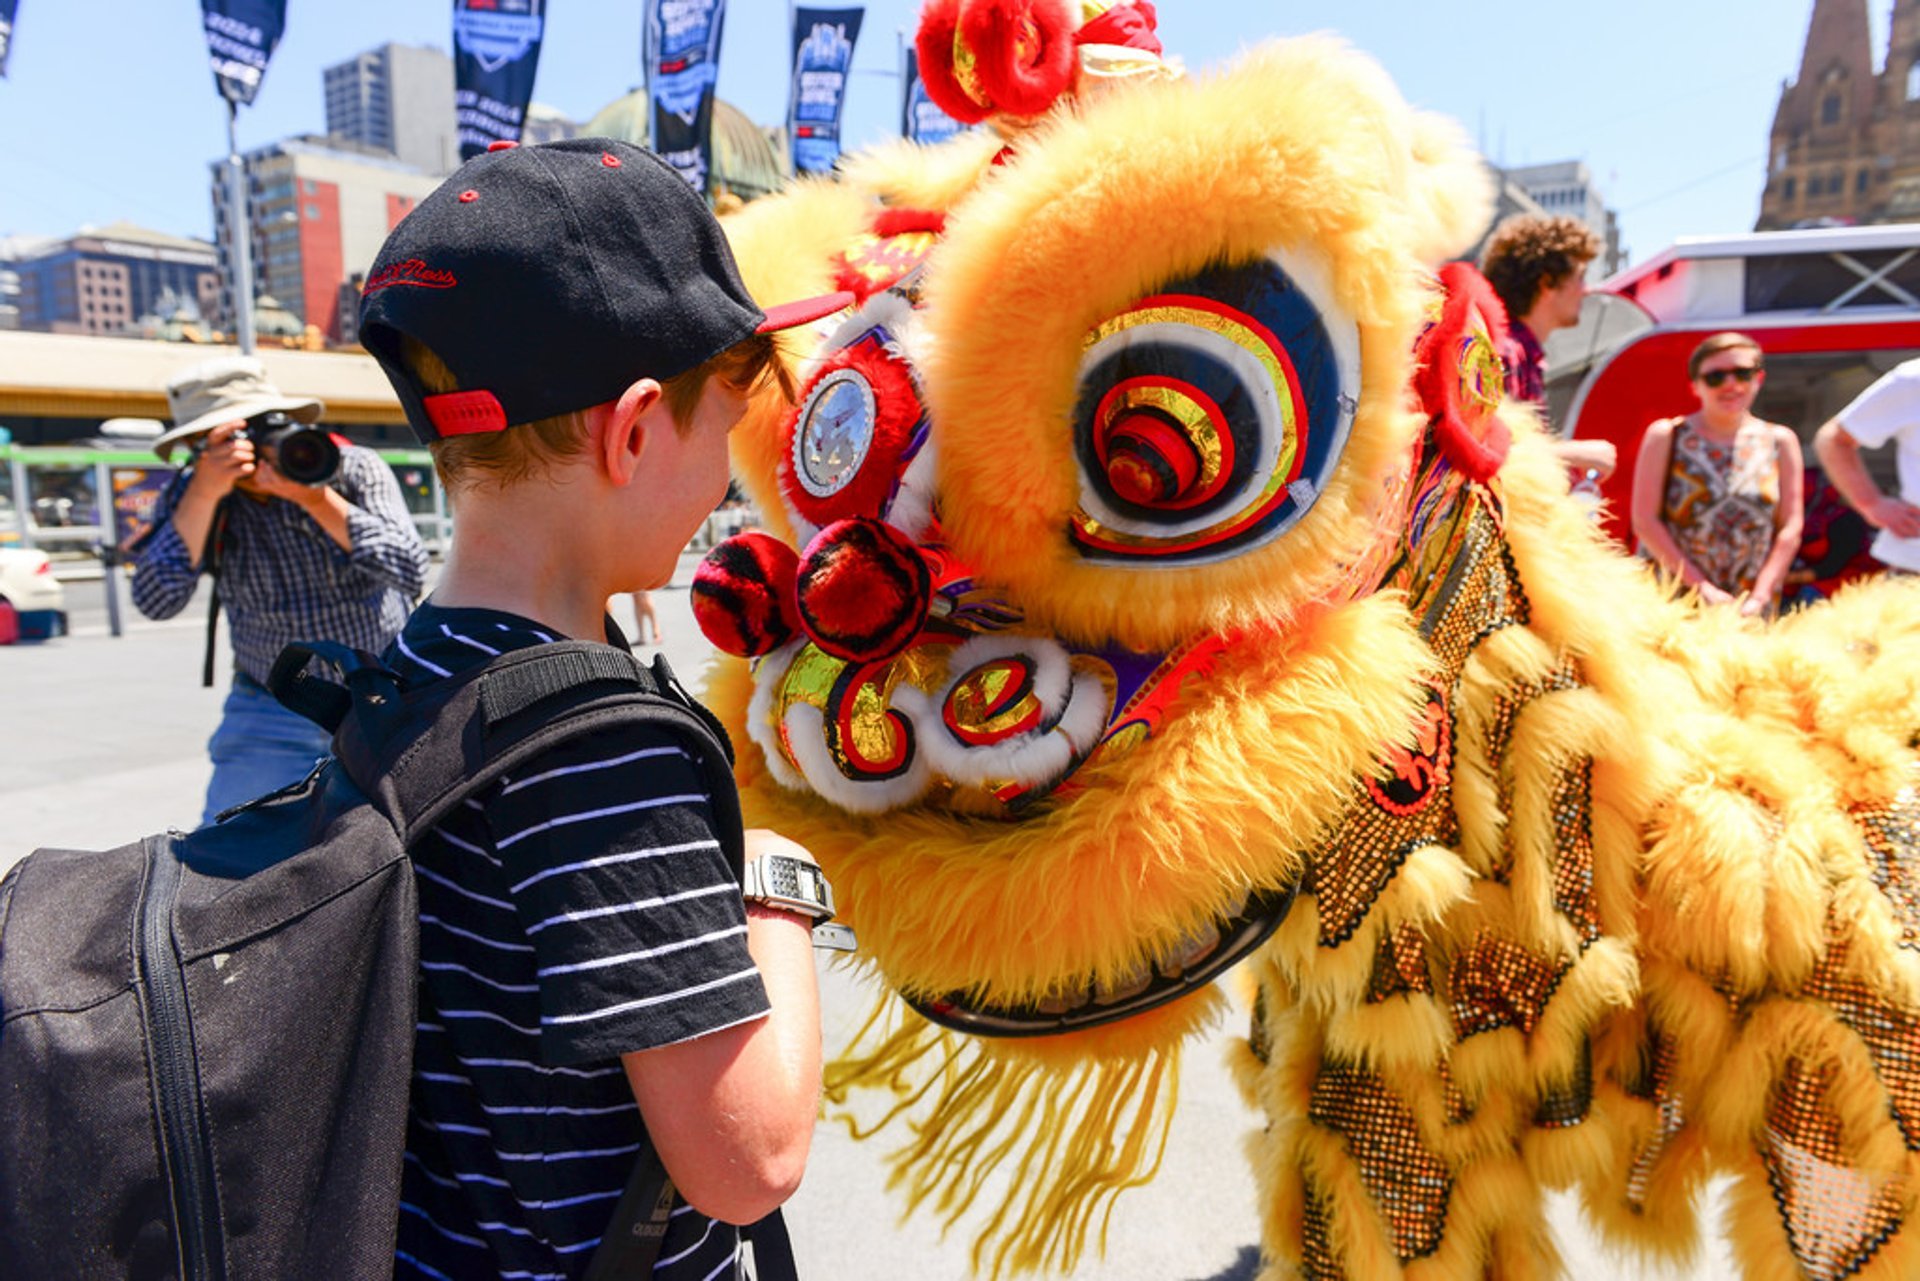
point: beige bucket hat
(201, 397)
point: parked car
(28, 585)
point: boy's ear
(623, 434)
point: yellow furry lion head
(1062, 648)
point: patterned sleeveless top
(1720, 501)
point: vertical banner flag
(496, 49)
(920, 119)
(8, 8)
(241, 35)
(681, 54)
(822, 58)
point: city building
(397, 99)
(1566, 188)
(102, 280)
(746, 158)
(546, 124)
(1845, 143)
(319, 208)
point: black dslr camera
(301, 452)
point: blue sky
(110, 112)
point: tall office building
(320, 209)
(398, 99)
(102, 280)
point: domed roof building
(746, 158)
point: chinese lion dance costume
(1155, 584)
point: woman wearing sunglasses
(1716, 494)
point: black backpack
(205, 1075)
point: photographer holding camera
(305, 539)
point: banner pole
(239, 236)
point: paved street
(102, 738)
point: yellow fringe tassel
(1066, 1140)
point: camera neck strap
(210, 560)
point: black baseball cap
(549, 278)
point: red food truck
(1833, 308)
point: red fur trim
(1130, 25)
(1471, 436)
(939, 22)
(896, 222)
(1024, 55)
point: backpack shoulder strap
(418, 753)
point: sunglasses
(1745, 373)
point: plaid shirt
(283, 579)
(1526, 363)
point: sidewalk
(104, 741)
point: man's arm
(369, 522)
(1839, 455)
(1596, 456)
(167, 568)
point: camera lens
(303, 454)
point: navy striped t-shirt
(579, 910)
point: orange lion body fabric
(1176, 631)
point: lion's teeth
(1131, 986)
(1066, 1001)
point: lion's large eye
(1209, 416)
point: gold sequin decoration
(1408, 1184)
(1399, 964)
(1480, 596)
(1891, 1037)
(1658, 1088)
(1836, 1217)
(1499, 738)
(1498, 983)
(1573, 849)
(1892, 838)
(1317, 1261)
(1567, 1105)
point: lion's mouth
(1189, 965)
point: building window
(1830, 109)
(1787, 189)
(1860, 183)
(313, 213)
(1913, 81)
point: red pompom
(939, 23)
(1024, 56)
(863, 590)
(743, 594)
(997, 57)
(1458, 374)
(1132, 26)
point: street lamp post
(239, 236)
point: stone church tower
(1846, 140)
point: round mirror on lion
(1156, 589)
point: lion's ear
(1452, 190)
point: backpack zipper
(176, 1079)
